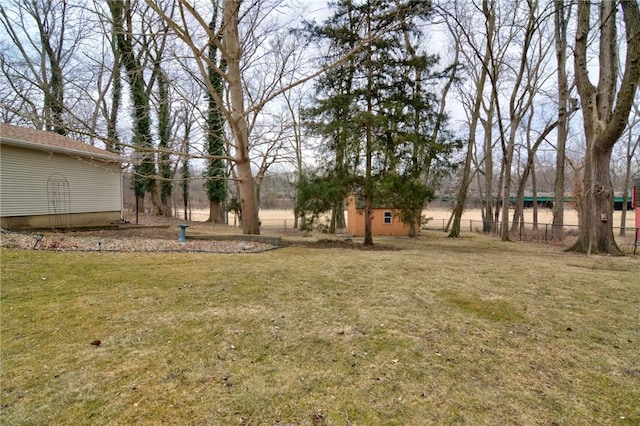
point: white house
(48, 180)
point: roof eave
(114, 158)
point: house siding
(93, 186)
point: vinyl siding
(93, 186)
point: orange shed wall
(355, 222)
(352, 218)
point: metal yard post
(183, 233)
(136, 159)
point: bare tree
(293, 101)
(527, 78)
(631, 147)
(528, 170)
(605, 111)
(44, 36)
(215, 173)
(457, 30)
(136, 53)
(244, 30)
(561, 14)
(195, 32)
(484, 52)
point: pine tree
(374, 109)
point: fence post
(470, 225)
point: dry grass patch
(437, 331)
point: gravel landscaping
(66, 242)
(159, 236)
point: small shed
(385, 221)
(49, 180)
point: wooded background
(475, 100)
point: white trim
(60, 150)
(387, 215)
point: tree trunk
(140, 203)
(332, 221)
(54, 92)
(507, 160)
(519, 103)
(337, 217)
(534, 189)
(529, 170)
(489, 222)
(596, 214)
(604, 123)
(154, 195)
(498, 204)
(341, 222)
(368, 184)
(238, 122)
(297, 145)
(185, 201)
(142, 138)
(113, 143)
(561, 19)
(461, 200)
(368, 235)
(216, 173)
(215, 212)
(518, 213)
(412, 229)
(164, 135)
(248, 202)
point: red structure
(636, 207)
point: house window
(387, 218)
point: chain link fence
(626, 238)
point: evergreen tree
(375, 111)
(336, 104)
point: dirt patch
(327, 243)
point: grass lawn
(470, 331)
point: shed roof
(53, 142)
(359, 204)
